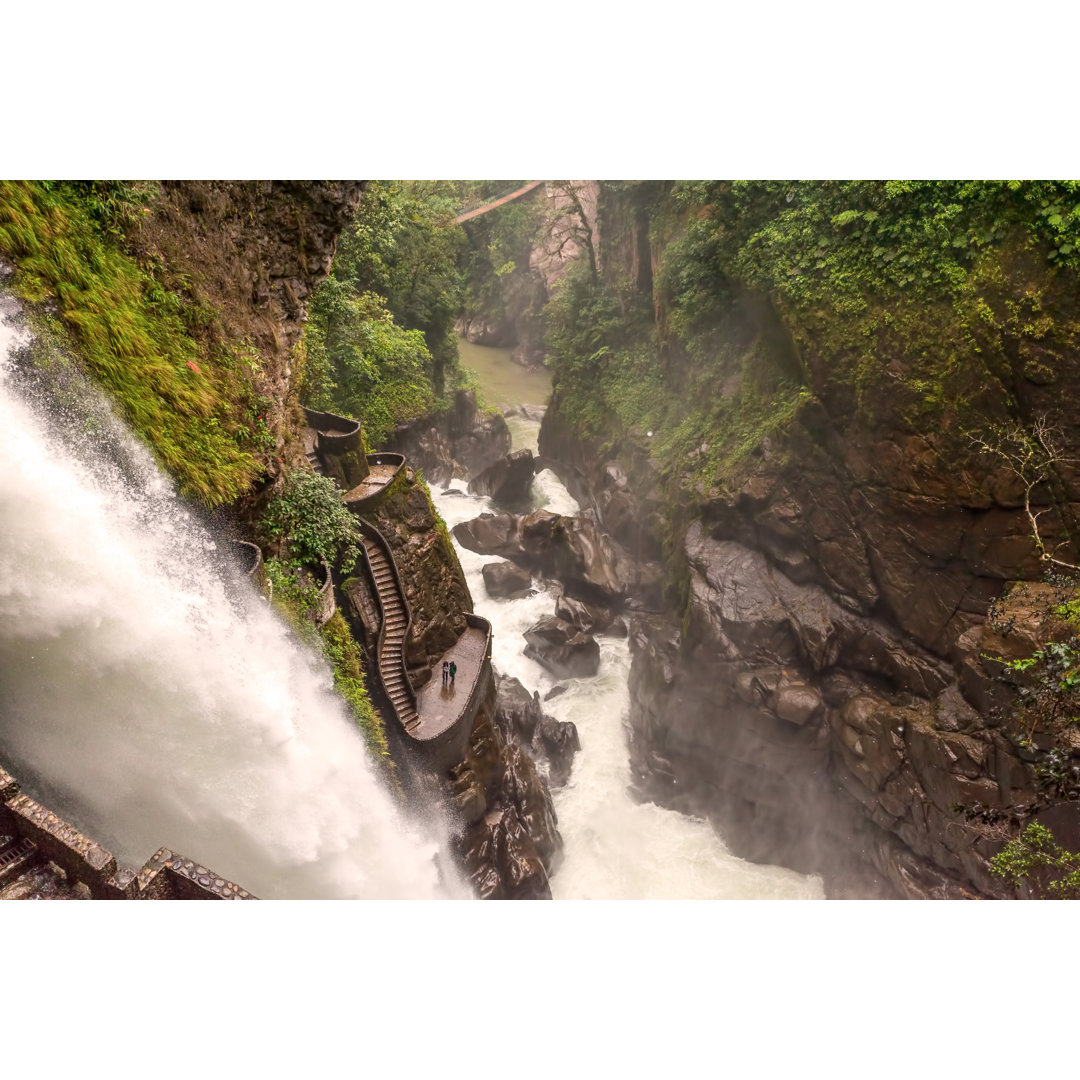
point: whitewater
(616, 848)
(149, 695)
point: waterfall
(151, 698)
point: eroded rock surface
(463, 441)
(574, 551)
(508, 481)
(563, 649)
(508, 841)
(821, 688)
(505, 580)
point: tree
(1033, 858)
(569, 224)
(362, 364)
(403, 245)
(1033, 455)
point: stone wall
(92, 871)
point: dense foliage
(380, 342)
(496, 255)
(310, 518)
(900, 299)
(191, 401)
(361, 363)
(1036, 859)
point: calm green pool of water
(502, 382)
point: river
(615, 847)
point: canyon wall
(821, 684)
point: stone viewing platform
(334, 446)
(437, 723)
(383, 469)
(446, 713)
(44, 857)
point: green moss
(347, 661)
(297, 604)
(192, 404)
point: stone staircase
(395, 626)
(314, 462)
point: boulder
(588, 618)
(505, 580)
(478, 438)
(517, 711)
(554, 741)
(462, 440)
(507, 481)
(501, 860)
(562, 649)
(559, 741)
(571, 550)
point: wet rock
(509, 841)
(560, 741)
(506, 581)
(517, 710)
(553, 741)
(798, 703)
(501, 860)
(588, 618)
(478, 438)
(462, 440)
(573, 551)
(532, 800)
(562, 649)
(508, 481)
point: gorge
(779, 576)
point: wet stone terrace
(440, 707)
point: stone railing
(89, 866)
(336, 434)
(339, 445)
(327, 604)
(446, 748)
(248, 559)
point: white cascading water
(614, 847)
(152, 704)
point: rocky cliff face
(253, 250)
(820, 688)
(463, 441)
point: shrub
(310, 517)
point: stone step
(15, 857)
